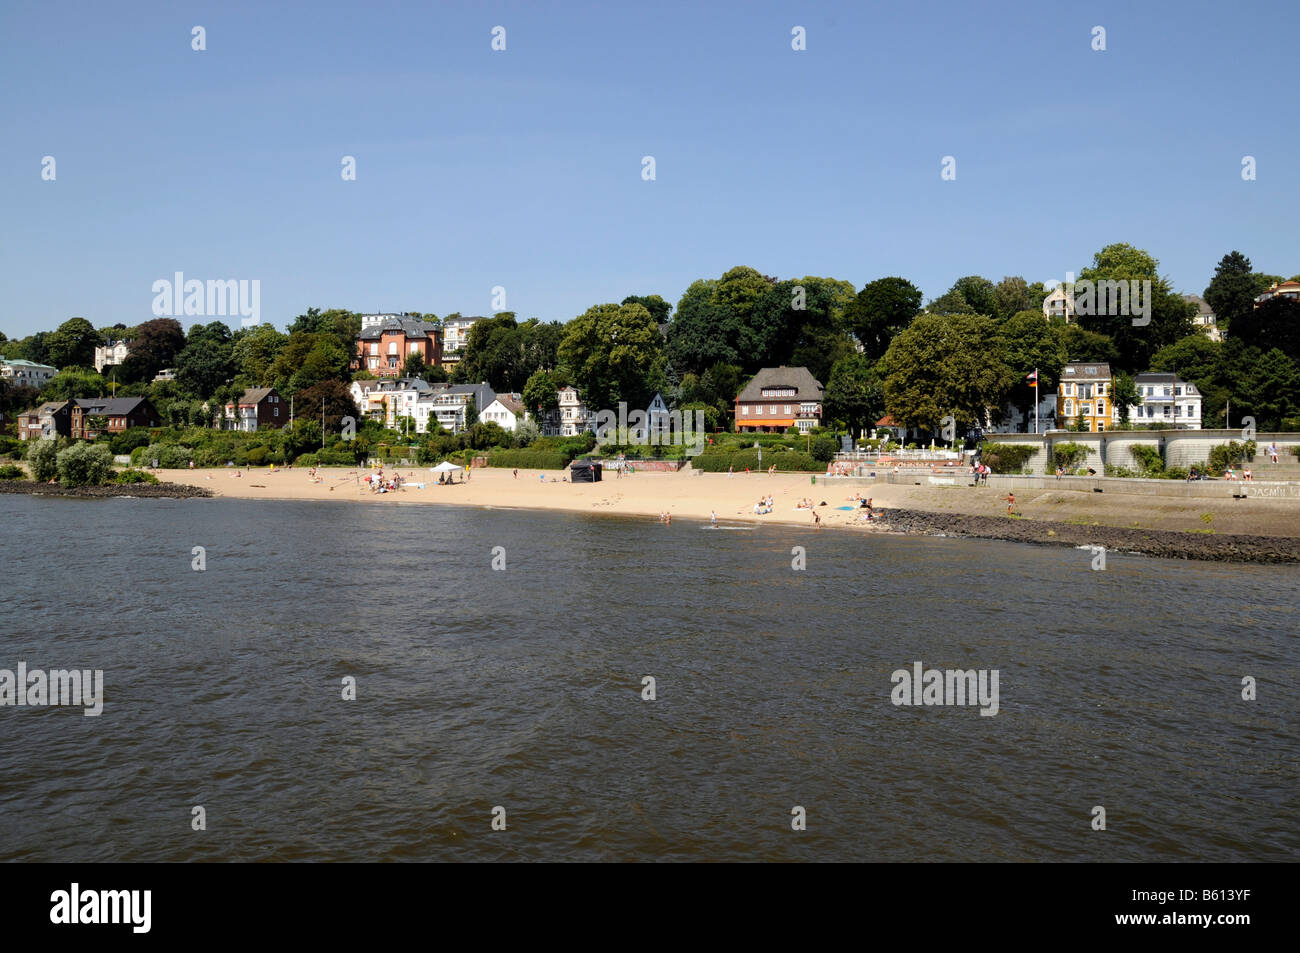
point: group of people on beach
(764, 505)
(981, 471)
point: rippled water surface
(522, 688)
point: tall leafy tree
(614, 353)
(854, 393)
(1031, 344)
(1232, 290)
(1275, 323)
(880, 310)
(1170, 316)
(155, 345)
(945, 364)
(334, 398)
(659, 308)
(73, 344)
(253, 354)
(207, 360)
(541, 392)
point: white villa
(1167, 400)
(26, 373)
(111, 354)
(506, 412)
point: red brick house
(260, 408)
(386, 340)
(93, 416)
(778, 398)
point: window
(392, 347)
(374, 348)
(1101, 408)
(374, 362)
(1069, 408)
(275, 411)
(787, 410)
(392, 362)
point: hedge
(783, 460)
(529, 459)
(11, 472)
(1006, 457)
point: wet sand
(1122, 520)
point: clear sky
(523, 168)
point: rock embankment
(160, 491)
(1163, 543)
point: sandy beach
(694, 495)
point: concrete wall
(1181, 448)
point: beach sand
(694, 495)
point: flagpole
(1035, 401)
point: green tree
(702, 332)
(1170, 317)
(659, 308)
(1030, 344)
(880, 310)
(613, 352)
(541, 393)
(413, 366)
(254, 352)
(1011, 296)
(854, 393)
(1084, 345)
(1231, 292)
(74, 382)
(979, 293)
(1274, 324)
(1124, 395)
(945, 364)
(336, 400)
(73, 344)
(207, 360)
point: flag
(1032, 378)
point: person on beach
(713, 517)
(1272, 451)
(516, 474)
(1011, 502)
(1060, 471)
(817, 520)
(731, 472)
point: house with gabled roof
(259, 408)
(778, 398)
(92, 417)
(387, 340)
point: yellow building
(1085, 389)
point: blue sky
(523, 168)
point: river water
(522, 689)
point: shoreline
(1226, 530)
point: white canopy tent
(445, 467)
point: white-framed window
(787, 410)
(1069, 408)
(1101, 408)
(392, 347)
(374, 348)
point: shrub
(1112, 470)
(1006, 457)
(169, 456)
(42, 460)
(85, 464)
(11, 447)
(257, 456)
(134, 476)
(1148, 459)
(823, 448)
(11, 472)
(1226, 455)
(307, 460)
(1068, 456)
(128, 440)
(1175, 473)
